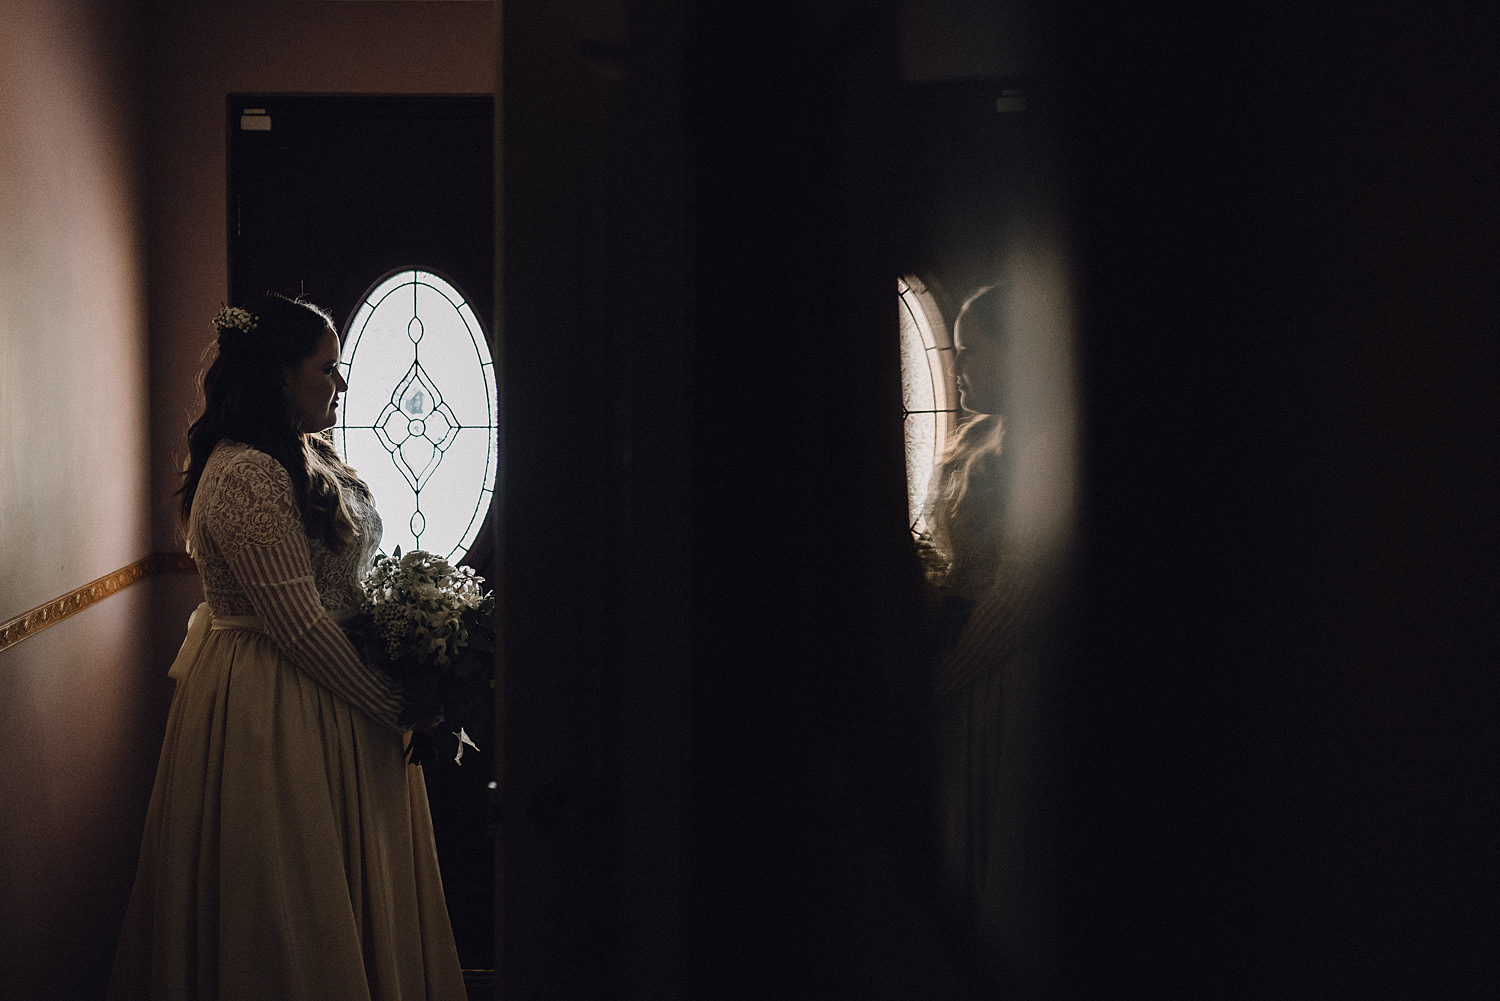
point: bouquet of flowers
(429, 626)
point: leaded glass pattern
(928, 398)
(420, 418)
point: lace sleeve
(255, 522)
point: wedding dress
(288, 850)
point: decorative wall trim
(28, 624)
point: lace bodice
(246, 535)
(245, 499)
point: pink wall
(72, 302)
(73, 486)
(77, 759)
(112, 225)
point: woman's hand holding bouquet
(429, 626)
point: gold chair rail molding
(28, 624)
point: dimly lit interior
(1251, 253)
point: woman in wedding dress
(288, 850)
(987, 599)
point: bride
(288, 850)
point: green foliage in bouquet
(429, 626)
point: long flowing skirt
(288, 850)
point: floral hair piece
(234, 318)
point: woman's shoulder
(237, 465)
(245, 497)
(237, 456)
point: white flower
(418, 602)
(234, 318)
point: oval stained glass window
(420, 417)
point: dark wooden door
(328, 194)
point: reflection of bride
(967, 498)
(984, 587)
(288, 849)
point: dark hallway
(1265, 757)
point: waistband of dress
(255, 624)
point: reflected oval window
(928, 397)
(420, 418)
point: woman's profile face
(313, 387)
(978, 364)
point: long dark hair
(244, 400)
